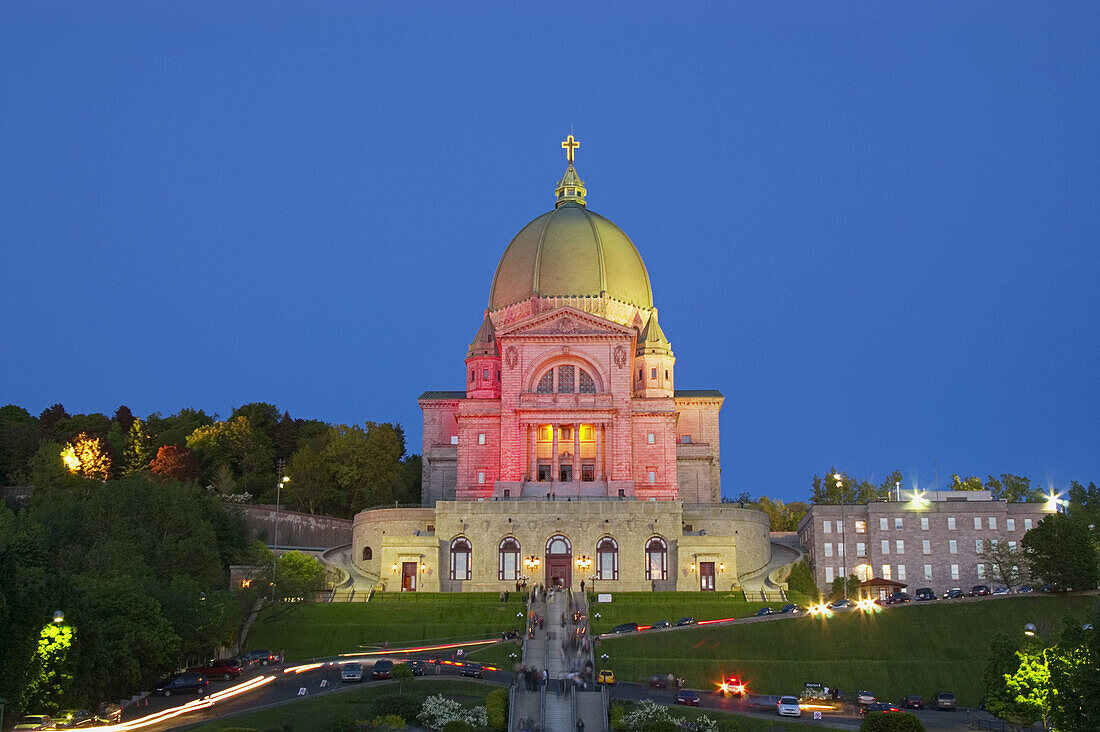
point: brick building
(933, 541)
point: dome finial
(570, 188)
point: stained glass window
(588, 386)
(566, 380)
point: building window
(861, 526)
(1010, 524)
(840, 527)
(926, 547)
(992, 523)
(828, 549)
(685, 439)
(481, 476)
(653, 373)
(886, 572)
(454, 439)
(899, 546)
(481, 438)
(368, 554)
(656, 559)
(588, 386)
(607, 559)
(640, 377)
(1012, 546)
(897, 523)
(471, 377)
(666, 374)
(840, 550)
(508, 560)
(861, 549)
(460, 559)
(951, 523)
(901, 572)
(882, 524)
(827, 527)
(566, 383)
(651, 438)
(952, 546)
(1027, 524)
(885, 546)
(928, 571)
(924, 523)
(485, 374)
(828, 575)
(954, 571)
(546, 383)
(498, 374)
(652, 476)
(977, 523)
(981, 571)
(977, 546)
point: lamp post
(278, 499)
(843, 549)
(584, 563)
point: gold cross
(569, 146)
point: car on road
(625, 628)
(979, 590)
(181, 683)
(685, 621)
(924, 594)
(953, 594)
(108, 713)
(1024, 589)
(35, 722)
(227, 668)
(879, 707)
(792, 608)
(842, 604)
(665, 681)
(476, 670)
(73, 719)
(381, 669)
(661, 624)
(787, 706)
(606, 677)
(416, 667)
(943, 701)
(1001, 590)
(351, 672)
(897, 598)
(732, 685)
(763, 611)
(687, 697)
(911, 701)
(864, 697)
(262, 657)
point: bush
(892, 722)
(661, 726)
(389, 721)
(496, 707)
(615, 713)
(457, 725)
(801, 580)
(405, 706)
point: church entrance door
(559, 562)
(408, 576)
(706, 576)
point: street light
(1030, 630)
(278, 498)
(843, 549)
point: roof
(698, 393)
(441, 395)
(652, 340)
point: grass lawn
(917, 648)
(645, 608)
(498, 655)
(322, 713)
(326, 629)
(741, 722)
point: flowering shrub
(648, 712)
(438, 710)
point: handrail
(512, 706)
(572, 706)
(606, 711)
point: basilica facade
(570, 455)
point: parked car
(262, 657)
(352, 672)
(416, 667)
(1025, 589)
(787, 706)
(108, 713)
(661, 624)
(864, 697)
(897, 598)
(883, 707)
(763, 611)
(606, 677)
(475, 670)
(688, 697)
(924, 594)
(181, 683)
(685, 621)
(382, 669)
(227, 668)
(1001, 590)
(944, 701)
(625, 628)
(979, 590)
(953, 593)
(666, 681)
(841, 604)
(35, 722)
(911, 701)
(73, 719)
(792, 608)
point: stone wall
(296, 529)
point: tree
(1074, 665)
(893, 722)
(17, 441)
(175, 463)
(1002, 662)
(839, 488)
(87, 457)
(1085, 503)
(1007, 564)
(248, 452)
(1012, 488)
(837, 589)
(971, 483)
(124, 417)
(298, 576)
(138, 451)
(1028, 688)
(173, 430)
(1063, 551)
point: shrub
(496, 707)
(438, 711)
(892, 722)
(661, 726)
(389, 721)
(405, 706)
(801, 580)
(457, 725)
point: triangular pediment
(565, 322)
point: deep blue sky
(873, 226)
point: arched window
(588, 386)
(508, 560)
(460, 559)
(656, 559)
(558, 544)
(546, 383)
(607, 559)
(367, 554)
(566, 380)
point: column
(554, 459)
(532, 451)
(576, 452)
(599, 453)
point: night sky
(873, 226)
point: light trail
(191, 706)
(419, 649)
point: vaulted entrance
(408, 576)
(706, 576)
(559, 562)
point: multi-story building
(931, 541)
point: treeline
(335, 470)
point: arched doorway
(559, 562)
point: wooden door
(706, 576)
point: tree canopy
(1063, 551)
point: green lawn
(498, 655)
(323, 713)
(326, 629)
(646, 608)
(912, 649)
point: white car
(351, 672)
(787, 706)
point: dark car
(227, 668)
(73, 719)
(953, 593)
(687, 697)
(666, 681)
(792, 608)
(911, 701)
(625, 628)
(763, 611)
(181, 683)
(897, 598)
(1025, 589)
(35, 722)
(842, 604)
(416, 667)
(880, 707)
(108, 713)
(382, 669)
(924, 594)
(944, 701)
(979, 590)
(262, 657)
(685, 621)
(661, 624)
(473, 669)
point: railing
(512, 707)
(975, 721)
(572, 706)
(606, 711)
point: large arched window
(566, 380)
(587, 385)
(368, 554)
(558, 544)
(508, 560)
(570, 379)
(607, 559)
(546, 383)
(656, 559)
(460, 559)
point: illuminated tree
(972, 483)
(50, 674)
(87, 457)
(175, 463)
(139, 448)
